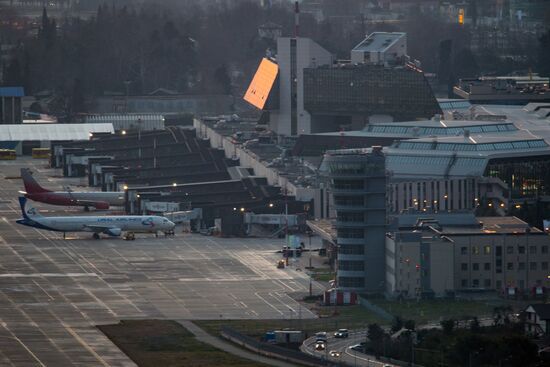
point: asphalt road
(53, 291)
(343, 345)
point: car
(357, 348)
(281, 264)
(321, 336)
(335, 353)
(341, 333)
(320, 345)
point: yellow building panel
(261, 84)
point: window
(487, 250)
(475, 266)
(351, 282)
(350, 265)
(521, 249)
(532, 250)
(351, 249)
(510, 266)
(475, 283)
(544, 249)
(544, 265)
(350, 217)
(487, 266)
(464, 283)
(509, 249)
(487, 283)
(351, 233)
(475, 250)
(521, 266)
(533, 266)
(464, 250)
(464, 266)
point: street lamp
(309, 234)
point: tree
(475, 326)
(376, 336)
(409, 325)
(448, 326)
(223, 79)
(397, 324)
(544, 54)
(12, 74)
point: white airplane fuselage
(112, 225)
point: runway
(54, 291)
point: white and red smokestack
(296, 19)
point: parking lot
(54, 290)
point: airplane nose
(172, 225)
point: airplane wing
(112, 231)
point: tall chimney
(296, 19)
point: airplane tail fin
(31, 186)
(28, 213)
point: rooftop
(379, 41)
(12, 92)
(52, 132)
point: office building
(431, 254)
(358, 186)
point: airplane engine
(113, 232)
(101, 205)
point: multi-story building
(381, 48)
(305, 92)
(10, 105)
(358, 186)
(441, 253)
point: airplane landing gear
(129, 236)
(64, 235)
(86, 208)
(96, 236)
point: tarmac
(53, 291)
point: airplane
(112, 225)
(98, 199)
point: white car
(335, 353)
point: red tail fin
(31, 186)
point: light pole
(309, 234)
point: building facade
(10, 105)
(441, 253)
(358, 185)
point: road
(343, 345)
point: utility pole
(309, 234)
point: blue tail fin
(22, 202)
(27, 213)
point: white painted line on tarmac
(47, 275)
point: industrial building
(358, 186)
(174, 171)
(438, 254)
(23, 137)
(517, 90)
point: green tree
(448, 326)
(397, 324)
(544, 54)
